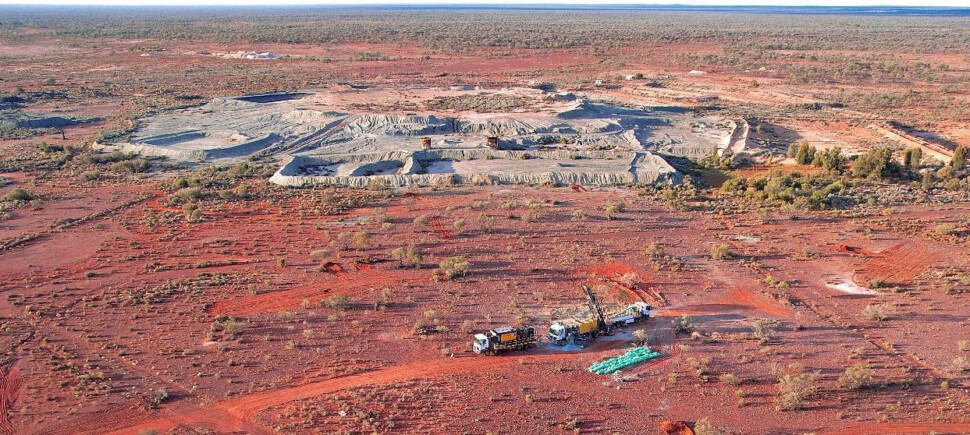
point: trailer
(505, 339)
(634, 313)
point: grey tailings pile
(326, 138)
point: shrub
(133, 166)
(877, 312)
(683, 325)
(156, 398)
(451, 268)
(383, 300)
(736, 184)
(912, 158)
(831, 160)
(91, 176)
(874, 164)
(616, 207)
(762, 331)
(945, 229)
(705, 427)
(961, 364)
(794, 389)
(927, 182)
(319, 254)
(337, 302)
(421, 220)
(959, 157)
(730, 379)
(805, 154)
(189, 193)
(640, 337)
(362, 239)
(408, 256)
(486, 222)
(18, 195)
(113, 157)
(856, 377)
(233, 328)
(655, 250)
(721, 252)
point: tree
(912, 158)
(959, 157)
(806, 153)
(927, 183)
(832, 160)
(874, 164)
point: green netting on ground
(634, 356)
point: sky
(954, 3)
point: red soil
(897, 265)
(668, 427)
(738, 300)
(628, 279)
(10, 384)
(237, 414)
(338, 282)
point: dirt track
(237, 414)
(10, 384)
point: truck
(505, 339)
(634, 313)
(578, 331)
(585, 330)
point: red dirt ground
(119, 297)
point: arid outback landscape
(296, 220)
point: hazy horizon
(683, 3)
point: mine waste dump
(420, 137)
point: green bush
(451, 268)
(959, 157)
(18, 194)
(856, 377)
(806, 153)
(875, 164)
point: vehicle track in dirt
(900, 428)
(23, 241)
(898, 265)
(236, 415)
(10, 385)
(738, 300)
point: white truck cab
(557, 333)
(642, 307)
(480, 344)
